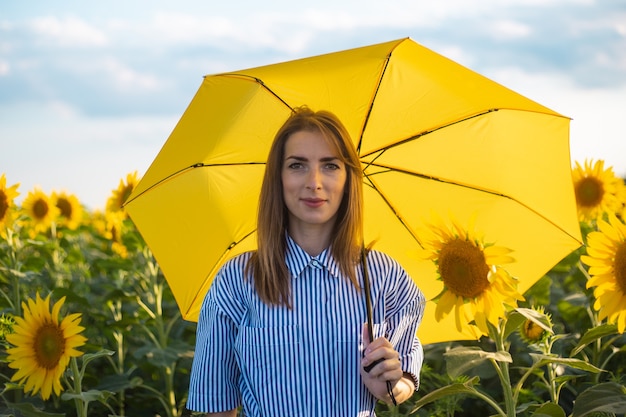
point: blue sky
(90, 91)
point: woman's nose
(314, 180)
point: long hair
(267, 265)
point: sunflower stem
(502, 369)
(491, 402)
(13, 266)
(119, 364)
(81, 406)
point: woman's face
(314, 180)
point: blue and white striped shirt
(305, 361)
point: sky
(90, 91)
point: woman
(281, 330)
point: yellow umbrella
(433, 136)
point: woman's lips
(313, 202)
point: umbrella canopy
(433, 137)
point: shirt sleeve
(403, 322)
(214, 373)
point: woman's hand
(388, 369)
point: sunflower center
(40, 209)
(65, 207)
(589, 192)
(49, 345)
(4, 204)
(620, 266)
(463, 268)
(532, 331)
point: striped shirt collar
(297, 260)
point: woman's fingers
(384, 357)
(388, 368)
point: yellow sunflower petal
(592, 261)
(596, 280)
(609, 289)
(459, 316)
(481, 322)
(601, 270)
(56, 309)
(445, 304)
(608, 230)
(621, 322)
(610, 305)
(600, 249)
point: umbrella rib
(180, 171)
(372, 163)
(218, 263)
(393, 210)
(426, 132)
(429, 177)
(261, 83)
(371, 107)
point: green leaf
(159, 357)
(594, 334)
(563, 379)
(513, 322)
(29, 410)
(88, 357)
(549, 410)
(570, 362)
(88, 396)
(461, 359)
(608, 397)
(466, 387)
(116, 383)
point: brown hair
(267, 265)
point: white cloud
(509, 29)
(124, 77)
(187, 28)
(277, 31)
(4, 68)
(68, 31)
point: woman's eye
(295, 165)
(332, 166)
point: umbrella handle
(368, 299)
(370, 327)
(368, 307)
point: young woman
(281, 331)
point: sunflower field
(89, 326)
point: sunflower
(597, 189)
(7, 206)
(41, 210)
(537, 328)
(43, 346)
(6, 327)
(110, 226)
(123, 191)
(474, 283)
(70, 209)
(606, 258)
